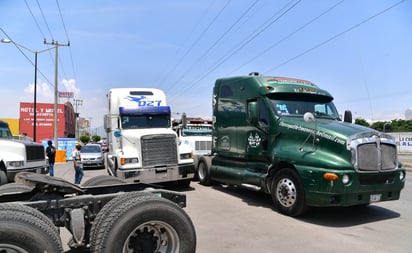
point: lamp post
(35, 80)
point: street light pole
(35, 81)
(35, 97)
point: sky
(358, 50)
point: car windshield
(197, 130)
(299, 108)
(91, 149)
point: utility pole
(56, 90)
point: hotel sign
(65, 94)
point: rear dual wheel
(24, 229)
(143, 223)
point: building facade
(66, 121)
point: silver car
(92, 156)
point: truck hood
(328, 129)
(295, 141)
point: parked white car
(92, 156)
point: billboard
(44, 120)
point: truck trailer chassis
(104, 215)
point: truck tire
(107, 209)
(288, 194)
(14, 187)
(146, 224)
(3, 178)
(14, 207)
(203, 171)
(21, 231)
(103, 180)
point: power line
(335, 36)
(35, 20)
(25, 56)
(288, 36)
(226, 32)
(202, 34)
(67, 36)
(244, 43)
(187, 51)
(44, 19)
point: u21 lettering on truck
(285, 137)
(19, 155)
(142, 144)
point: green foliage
(85, 139)
(362, 122)
(96, 138)
(397, 125)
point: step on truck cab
(19, 156)
(285, 137)
(142, 144)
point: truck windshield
(145, 121)
(5, 132)
(299, 108)
(197, 130)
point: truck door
(256, 135)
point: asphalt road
(235, 220)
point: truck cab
(19, 156)
(285, 137)
(142, 145)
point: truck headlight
(345, 179)
(185, 156)
(15, 163)
(402, 175)
(123, 161)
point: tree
(85, 139)
(362, 122)
(96, 138)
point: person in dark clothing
(51, 154)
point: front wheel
(203, 171)
(288, 194)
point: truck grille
(374, 153)
(159, 150)
(34, 152)
(203, 145)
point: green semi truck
(284, 136)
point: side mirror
(309, 117)
(347, 117)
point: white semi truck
(142, 146)
(18, 156)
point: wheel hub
(286, 192)
(153, 237)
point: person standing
(77, 162)
(51, 154)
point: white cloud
(70, 85)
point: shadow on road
(348, 216)
(325, 216)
